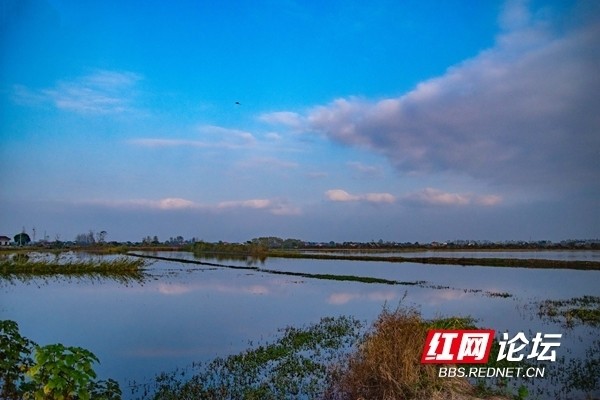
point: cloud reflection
(341, 298)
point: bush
(387, 364)
(55, 372)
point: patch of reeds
(122, 269)
(387, 364)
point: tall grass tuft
(387, 364)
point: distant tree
(148, 240)
(101, 236)
(22, 238)
(85, 239)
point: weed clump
(387, 364)
(578, 310)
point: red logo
(457, 346)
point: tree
(101, 236)
(22, 238)
(85, 238)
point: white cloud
(213, 137)
(379, 198)
(254, 203)
(436, 197)
(101, 92)
(169, 203)
(521, 114)
(287, 118)
(228, 133)
(339, 195)
(272, 206)
(175, 204)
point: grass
(583, 310)
(387, 364)
(122, 269)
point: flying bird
(237, 103)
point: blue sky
(401, 121)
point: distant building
(4, 241)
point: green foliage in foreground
(56, 372)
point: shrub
(56, 372)
(15, 359)
(387, 364)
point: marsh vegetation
(336, 358)
(24, 268)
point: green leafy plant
(62, 372)
(15, 359)
(56, 372)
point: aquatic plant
(583, 310)
(294, 366)
(122, 269)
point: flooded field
(183, 313)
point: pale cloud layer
(271, 206)
(287, 118)
(101, 92)
(210, 136)
(425, 197)
(340, 195)
(436, 197)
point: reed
(123, 269)
(387, 364)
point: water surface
(185, 312)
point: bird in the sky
(237, 103)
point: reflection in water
(185, 313)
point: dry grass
(388, 364)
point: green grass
(577, 310)
(122, 269)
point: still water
(185, 312)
